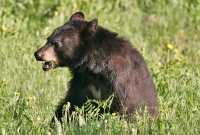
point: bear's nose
(38, 56)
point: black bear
(102, 64)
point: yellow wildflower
(170, 46)
(113, 114)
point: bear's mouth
(47, 65)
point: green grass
(165, 31)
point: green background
(166, 32)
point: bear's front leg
(76, 96)
(59, 112)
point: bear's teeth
(47, 65)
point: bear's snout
(38, 56)
(48, 57)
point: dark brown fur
(100, 60)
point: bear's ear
(77, 16)
(92, 25)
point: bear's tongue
(47, 65)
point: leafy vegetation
(166, 32)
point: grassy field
(167, 33)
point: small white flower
(81, 120)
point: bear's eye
(57, 44)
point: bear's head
(65, 44)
